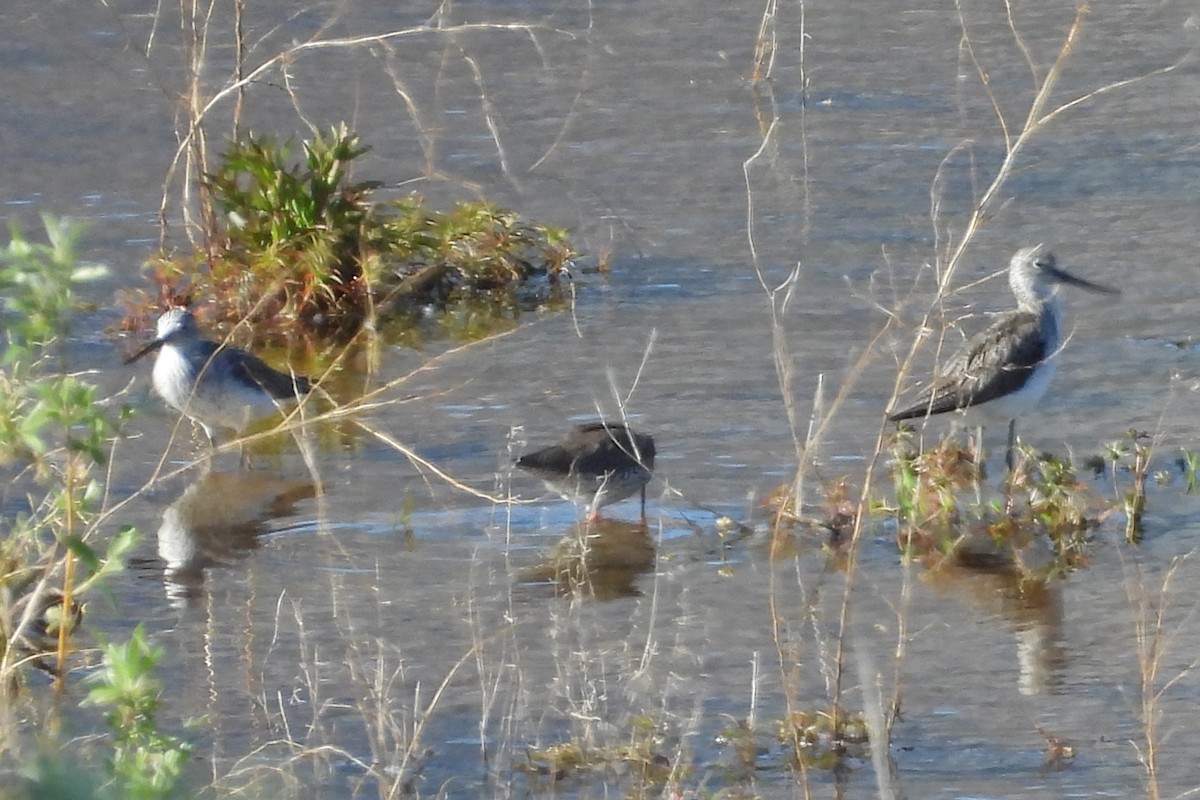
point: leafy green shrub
(54, 435)
(146, 763)
(303, 249)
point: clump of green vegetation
(54, 437)
(823, 740)
(929, 485)
(1057, 498)
(302, 249)
(1046, 498)
(555, 762)
(140, 762)
(941, 512)
(145, 763)
(643, 760)
(831, 520)
(1189, 464)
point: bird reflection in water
(601, 559)
(216, 521)
(1031, 605)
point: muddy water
(328, 609)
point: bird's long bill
(150, 348)
(1062, 276)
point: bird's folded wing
(995, 363)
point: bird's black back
(595, 448)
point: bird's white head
(1029, 277)
(175, 324)
(1034, 276)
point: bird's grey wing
(994, 363)
(198, 354)
(280, 385)
(604, 455)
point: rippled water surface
(321, 620)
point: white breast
(216, 400)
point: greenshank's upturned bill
(1004, 371)
(218, 386)
(598, 464)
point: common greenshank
(1004, 370)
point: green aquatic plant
(56, 432)
(824, 739)
(146, 763)
(302, 248)
(738, 739)
(929, 488)
(1189, 462)
(1056, 497)
(271, 205)
(1046, 498)
(1134, 451)
(554, 762)
(643, 757)
(292, 239)
(942, 511)
(140, 761)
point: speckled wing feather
(993, 364)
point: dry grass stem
(1153, 638)
(191, 156)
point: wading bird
(218, 386)
(598, 464)
(1004, 371)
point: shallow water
(630, 124)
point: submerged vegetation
(303, 250)
(941, 513)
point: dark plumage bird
(218, 386)
(1004, 370)
(598, 464)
